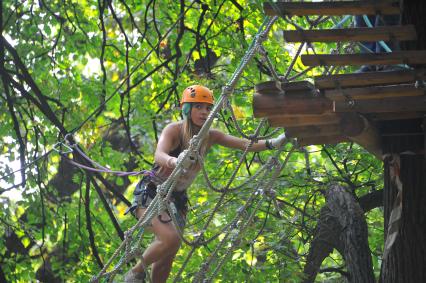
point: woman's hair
(189, 129)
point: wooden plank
(399, 57)
(313, 131)
(386, 33)
(395, 116)
(374, 92)
(303, 120)
(369, 79)
(286, 86)
(298, 88)
(291, 93)
(318, 140)
(334, 8)
(270, 105)
(399, 104)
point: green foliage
(111, 77)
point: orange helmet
(197, 93)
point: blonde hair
(188, 131)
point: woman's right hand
(187, 162)
(171, 162)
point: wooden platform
(335, 115)
(336, 8)
(388, 33)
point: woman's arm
(217, 137)
(169, 140)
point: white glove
(277, 142)
(187, 162)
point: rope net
(129, 248)
(260, 184)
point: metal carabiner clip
(58, 150)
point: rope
(240, 131)
(99, 168)
(245, 183)
(271, 68)
(381, 42)
(236, 237)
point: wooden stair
(300, 88)
(338, 8)
(345, 107)
(369, 79)
(390, 105)
(414, 57)
(270, 105)
(374, 92)
(386, 33)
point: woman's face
(200, 112)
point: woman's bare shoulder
(171, 131)
(173, 126)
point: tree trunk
(326, 239)
(350, 239)
(353, 234)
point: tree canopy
(111, 74)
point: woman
(197, 102)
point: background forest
(111, 73)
